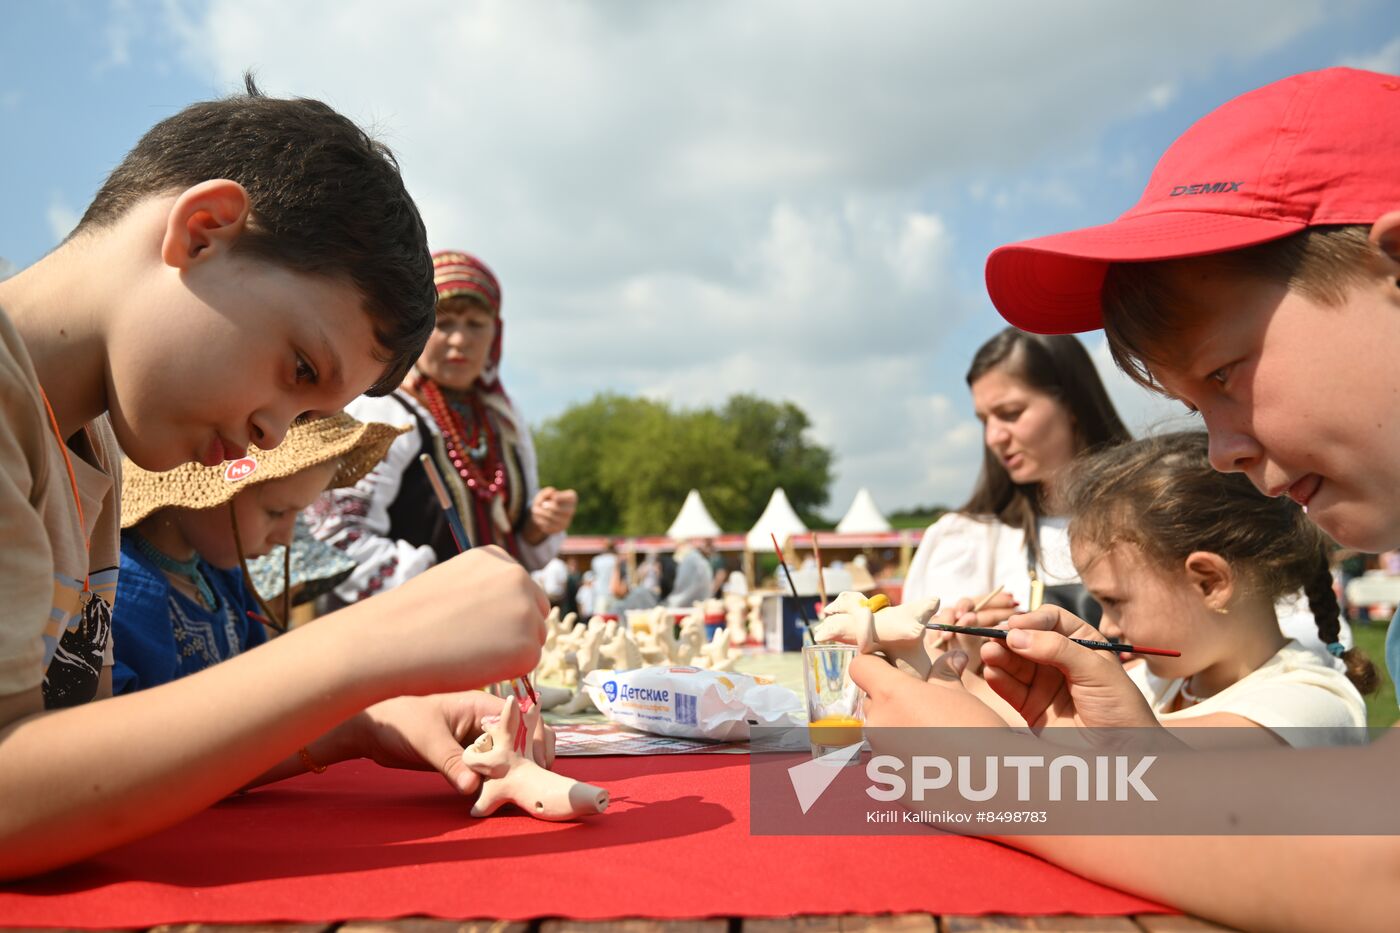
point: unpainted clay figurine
(874, 625)
(550, 697)
(717, 654)
(620, 650)
(580, 701)
(509, 774)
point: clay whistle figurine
(874, 625)
(509, 775)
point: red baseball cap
(1313, 149)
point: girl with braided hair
(1182, 556)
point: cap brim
(1052, 284)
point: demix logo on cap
(240, 469)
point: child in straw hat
(183, 600)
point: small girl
(183, 603)
(1183, 557)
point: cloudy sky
(692, 198)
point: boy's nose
(267, 430)
(1232, 451)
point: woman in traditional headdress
(390, 522)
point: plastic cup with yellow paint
(834, 713)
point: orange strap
(72, 478)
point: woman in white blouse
(1041, 404)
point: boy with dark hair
(252, 261)
(1257, 281)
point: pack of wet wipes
(691, 702)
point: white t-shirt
(1296, 621)
(964, 556)
(1295, 688)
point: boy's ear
(1212, 577)
(1385, 233)
(205, 220)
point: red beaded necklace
(462, 452)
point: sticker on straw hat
(240, 469)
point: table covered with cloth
(360, 841)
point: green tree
(573, 446)
(776, 434)
(918, 516)
(633, 461)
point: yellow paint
(836, 730)
(877, 602)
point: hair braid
(1322, 600)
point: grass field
(1380, 706)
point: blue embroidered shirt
(160, 634)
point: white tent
(693, 520)
(779, 519)
(863, 516)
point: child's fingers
(1004, 685)
(949, 666)
(1027, 685)
(439, 749)
(1078, 664)
(879, 679)
(996, 655)
(994, 616)
(542, 745)
(1054, 619)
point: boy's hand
(472, 620)
(1052, 681)
(429, 733)
(894, 698)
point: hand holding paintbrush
(989, 611)
(521, 687)
(1056, 619)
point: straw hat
(358, 445)
(316, 568)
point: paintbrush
(802, 610)
(821, 578)
(454, 521)
(1096, 645)
(521, 686)
(982, 603)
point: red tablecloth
(364, 842)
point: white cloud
(118, 34)
(693, 199)
(1160, 96)
(61, 216)
(1385, 59)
